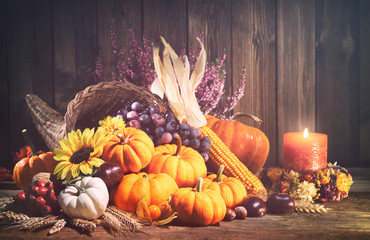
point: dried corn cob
(220, 154)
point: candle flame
(305, 133)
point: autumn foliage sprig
(136, 66)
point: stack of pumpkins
(170, 172)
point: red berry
(42, 191)
(45, 210)
(20, 197)
(50, 196)
(49, 186)
(40, 201)
(34, 189)
(40, 183)
(30, 198)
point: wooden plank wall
(307, 61)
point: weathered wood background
(308, 61)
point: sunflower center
(81, 155)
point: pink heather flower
(136, 66)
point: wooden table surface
(347, 219)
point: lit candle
(305, 152)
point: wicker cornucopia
(89, 106)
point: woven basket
(89, 106)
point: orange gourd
(183, 164)
(249, 144)
(198, 206)
(231, 189)
(28, 167)
(154, 188)
(130, 148)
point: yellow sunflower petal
(87, 137)
(60, 166)
(65, 170)
(68, 176)
(75, 170)
(62, 157)
(75, 141)
(66, 146)
(86, 168)
(96, 162)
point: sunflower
(80, 153)
(112, 124)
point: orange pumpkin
(197, 206)
(156, 188)
(231, 189)
(130, 148)
(249, 144)
(183, 164)
(26, 168)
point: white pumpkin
(87, 198)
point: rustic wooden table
(347, 219)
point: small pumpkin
(231, 189)
(130, 148)
(198, 206)
(183, 164)
(249, 144)
(154, 188)
(87, 198)
(26, 168)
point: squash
(197, 206)
(184, 164)
(87, 198)
(153, 188)
(26, 168)
(130, 148)
(231, 189)
(250, 145)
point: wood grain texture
(254, 46)
(166, 18)
(74, 38)
(4, 94)
(364, 82)
(20, 42)
(213, 18)
(337, 78)
(295, 68)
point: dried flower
(306, 191)
(343, 183)
(275, 173)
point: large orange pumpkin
(197, 206)
(183, 164)
(249, 144)
(231, 189)
(156, 188)
(26, 168)
(130, 148)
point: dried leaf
(142, 210)
(166, 210)
(165, 221)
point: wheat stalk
(6, 203)
(45, 222)
(13, 216)
(308, 207)
(84, 225)
(58, 226)
(30, 223)
(124, 217)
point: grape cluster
(162, 128)
(40, 199)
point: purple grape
(147, 130)
(144, 111)
(119, 116)
(132, 115)
(136, 106)
(185, 126)
(144, 119)
(194, 133)
(123, 112)
(154, 116)
(166, 137)
(204, 146)
(206, 139)
(158, 141)
(186, 142)
(195, 143)
(205, 156)
(184, 133)
(172, 126)
(169, 114)
(153, 109)
(158, 132)
(134, 123)
(159, 122)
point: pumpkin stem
(29, 141)
(219, 173)
(179, 144)
(240, 115)
(199, 185)
(79, 189)
(123, 140)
